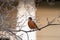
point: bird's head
(30, 18)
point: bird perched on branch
(32, 24)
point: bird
(32, 24)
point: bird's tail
(38, 28)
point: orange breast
(31, 25)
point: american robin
(32, 24)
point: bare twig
(49, 24)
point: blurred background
(48, 11)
